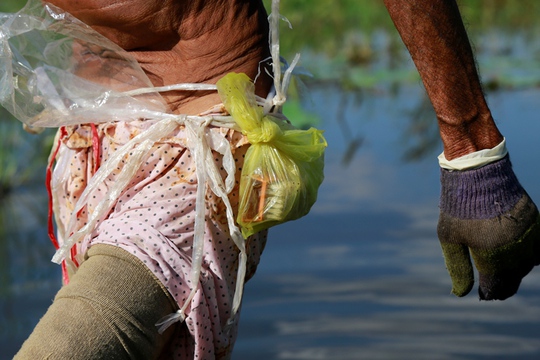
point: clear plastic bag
(56, 70)
(283, 167)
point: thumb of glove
(458, 264)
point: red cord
(48, 186)
(95, 147)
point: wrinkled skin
(437, 41)
(175, 41)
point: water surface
(362, 276)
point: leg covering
(108, 311)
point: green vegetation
(11, 5)
(354, 42)
(324, 26)
(352, 46)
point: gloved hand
(486, 213)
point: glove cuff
(475, 159)
(481, 193)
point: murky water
(362, 276)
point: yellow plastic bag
(283, 168)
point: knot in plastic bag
(267, 132)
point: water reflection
(363, 277)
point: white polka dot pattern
(154, 218)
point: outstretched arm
(437, 41)
(484, 211)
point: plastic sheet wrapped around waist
(56, 71)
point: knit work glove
(486, 213)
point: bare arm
(435, 36)
(484, 212)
